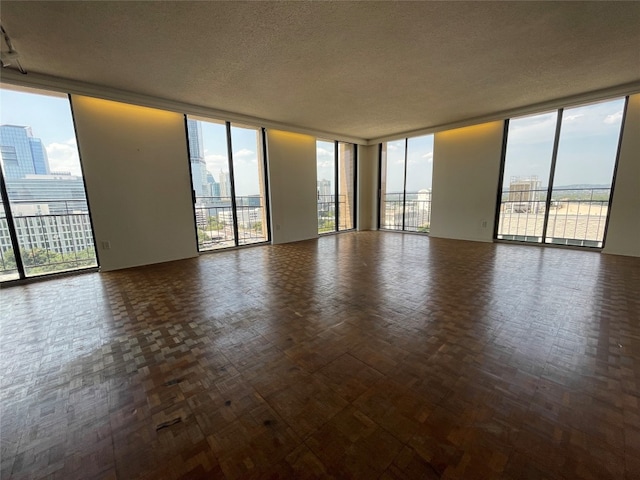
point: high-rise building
(39, 155)
(62, 194)
(22, 153)
(196, 157)
(50, 210)
(325, 192)
(225, 185)
(196, 145)
(38, 227)
(523, 195)
(214, 187)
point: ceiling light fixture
(9, 57)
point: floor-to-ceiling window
(346, 185)
(336, 185)
(558, 173)
(229, 183)
(406, 178)
(45, 225)
(249, 180)
(326, 175)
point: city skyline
(245, 154)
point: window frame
(544, 239)
(261, 145)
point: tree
(215, 224)
(202, 236)
(326, 225)
(40, 260)
(8, 260)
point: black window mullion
(505, 135)
(265, 166)
(336, 189)
(193, 191)
(615, 171)
(354, 207)
(554, 157)
(84, 182)
(404, 184)
(232, 183)
(380, 166)
(12, 228)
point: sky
(586, 153)
(326, 165)
(419, 164)
(325, 158)
(586, 150)
(50, 120)
(246, 153)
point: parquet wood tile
(361, 355)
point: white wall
(136, 169)
(292, 186)
(466, 167)
(368, 166)
(623, 234)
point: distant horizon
(575, 185)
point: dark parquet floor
(363, 355)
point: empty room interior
(350, 240)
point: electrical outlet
(483, 224)
(106, 245)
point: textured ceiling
(360, 69)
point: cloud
(216, 162)
(419, 160)
(323, 152)
(63, 157)
(613, 118)
(571, 118)
(243, 153)
(532, 129)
